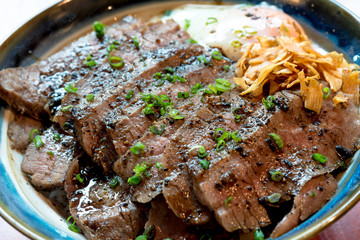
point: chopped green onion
(157, 75)
(227, 201)
(89, 62)
(113, 46)
(319, 157)
(235, 136)
(67, 108)
(326, 92)
(239, 33)
(221, 145)
(175, 114)
(216, 55)
(51, 153)
(259, 235)
(196, 88)
(274, 198)
(114, 182)
(224, 134)
(72, 226)
(206, 91)
(157, 131)
(136, 42)
(276, 175)
(178, 78)
(312, 194)
(70, 88)
(134, 180)
(183, 94)
(211, 20)
(99, 29)
(277, 140)
(145, 234)
(187, 24)
(116, 62)
(251, 30)
(226, 68)
(31, 137)
(236, 43)
(192, 41)
(204, 164)
(67, 126)
(90, 97)
(222, 85)
(160, 83)
(38, 141)
(137, 148)
(158, 165)
(129, 95)
(269, 102)
(57, 137)
(237, 116)
(79, 178)
(202, 59)
(201, 152)
(206, 236)
(141, 237)
(212, 88)
(169, 70)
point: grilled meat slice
(39, 88)
(312, 196)
(19, 131)
(102, 211)
(47, 164)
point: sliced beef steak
(19, 131)
(312, 196)
(241, 172)
(29, 89)
(47, 164)
(102, 211)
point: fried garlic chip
(287, 62)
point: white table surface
(14, 13)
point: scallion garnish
(116, 62)
(145, 234)
(220, 134)
(216, 55)
(206, 236)
(183, 94)
(237, 116)
(157, 75)
(202, 59)
(114, 183)
(70, 88)
(38, 141)
(158, 165)
(79, 178)
(221, 145)
(211, 20)
(34, 131)
(90, 97)
(226, 68)
(326, 92)
(57, 137)
(268, 102)
(175, 114)
(276, 176)
(139, 171)
(137, 148)
(222, 85)
(312, 194)
(277, 140)
(274, 198)
(204, 164)
(99, 29)
(197, 87)
(187, 24)
(169, 70)
(201, 152)
(67, 108)
(319, 157)
(113, 46)
(206, 91)
(136, 42)
(227, 201)
(89, 62)
(192, 41)
(72, 226)
(51, 153)
(236, 43)
(130, 94)
(178, 78)
(235, 136)
(259, 235)
(250, 30)
(239, 33)
(156, 130)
